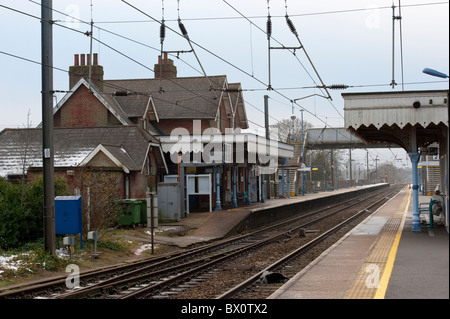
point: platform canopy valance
(409, 119)
(230, 148)
(396, 108)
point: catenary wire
(81, 32)
(127, 38)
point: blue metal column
(416, 213)
(249, 202)
(288, 184)
(303, 183)
(218, 202)
(234, 203)
(324, 181)
(337, 178)
(263, 196)
(303, 158)
(282, 181)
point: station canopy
(409, 119)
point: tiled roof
(106, 99)
(237, 99)
(174, 98)
(128, 144)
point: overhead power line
(220, 58)
(108, 46)
(310, 14)
(277, 91)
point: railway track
(256, 286)
(170, 275)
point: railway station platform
(381, 258)
(209, 226)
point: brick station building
(118, 125)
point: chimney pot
(165, 67)
(79, 70)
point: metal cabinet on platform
(169, 202)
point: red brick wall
(82, 109)
(168, 125)
(225, 122)
(76, 179)
(237, 119)
(101, 160)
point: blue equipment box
(68, 218)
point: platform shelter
(411, 119)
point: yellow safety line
(381, 291)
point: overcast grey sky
(348, 41)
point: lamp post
(332, 87)
(435, 73)
(303, 159)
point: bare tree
(100, 193)
(289, 131)
(25, 155)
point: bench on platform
(428, 208)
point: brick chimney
(165, 68)
(80, 69)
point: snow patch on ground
(143, 248)
(12, 262)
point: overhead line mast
(294, 31)
(395, 18)
(47, 126)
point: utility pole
(303, 157)
(266, 120)
(350, 164)
(376, 168)
(266, 115)
(332, 168)
(367, 169)
(47, 125)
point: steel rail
(227, 256)
(129, 271)
(255, 278)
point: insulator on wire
(162, 32)
(183, 29)
(120, 93)
(269, 28)
(291, 26)
(338, 87)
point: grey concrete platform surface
(421, 269)
(380, 258)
